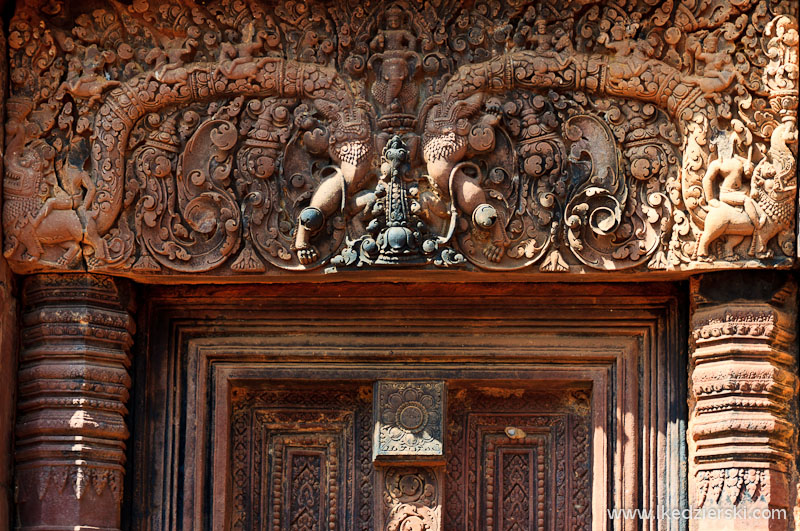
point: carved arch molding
(247, 138)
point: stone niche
(243, 140)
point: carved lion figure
(40, 209)
(772, 189)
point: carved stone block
(409, 421)
(73, 388)
(411, 498)
(541, 138)
(519, 461)
(301, 460)
(743, 401)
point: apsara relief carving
(247, 138)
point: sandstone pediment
(251, 140)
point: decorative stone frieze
(408, 451)
(73, 386)
(239, 139)
(743, 400)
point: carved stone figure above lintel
(145, 142)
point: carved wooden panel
(253, 139)
(520, 460)
(298, 459)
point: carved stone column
(743, 401)
(73, 386)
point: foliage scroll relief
(250, 138)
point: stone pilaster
(743, 401)
(408, 451)
(73, 386)
(8, 336)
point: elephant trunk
(393, 88)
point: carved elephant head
(392, 72)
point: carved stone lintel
(73, 386)
(541, 137)
(409, 421)
(743, 400)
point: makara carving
(249, 138)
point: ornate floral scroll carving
(246, 138)
(411, 499)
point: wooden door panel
(299, 457)
(518, 461)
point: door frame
(196, 343)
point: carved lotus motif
(410, 418)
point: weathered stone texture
(247, 140)
(73, 387)
(743, 378)
(8, 386)
(8, 344)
